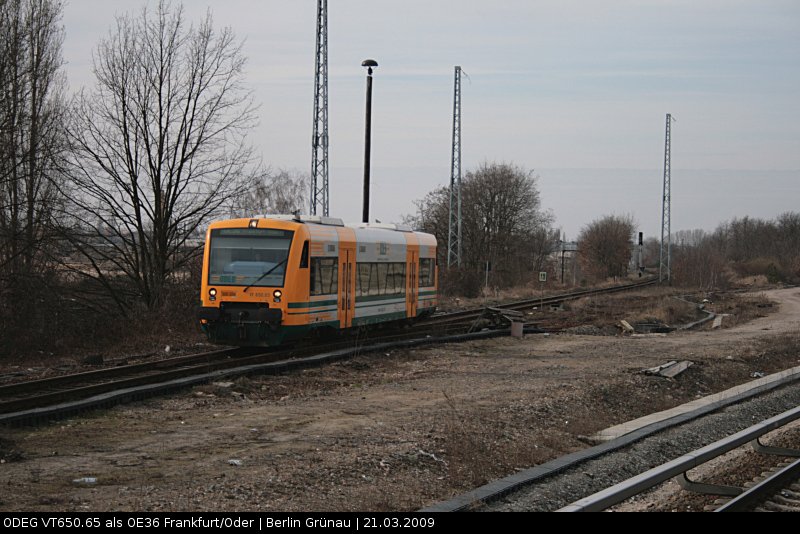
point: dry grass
(480, 444)
(740, 308)
(492, 295)
(657, 305)
(776, 351)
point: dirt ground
(394, 431)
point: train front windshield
(249, 256)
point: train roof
(335, 221)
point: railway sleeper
(732, 491)
(777, 451)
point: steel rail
(633, 486)
(543, 301)
(14, 388)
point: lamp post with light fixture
(369, 64)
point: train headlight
(276, 295)
(253, 223)
(212, 293)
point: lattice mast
(319, 140)
(454, 225)
(665, 254)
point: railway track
(47, 399)
(553, 300)
(679, 468)
(42, 400)
(778, 491)
(47, 391)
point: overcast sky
(576, 91)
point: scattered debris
(85, 481)
(496, 318)
(677, 369)
(93, 359)
(516, 328)
(235, 462)
(653, 327)
(588, 330)
(670, 369)
(223, 385)
(626, 326)
(433, 456)
(717, 322)
(758, 374)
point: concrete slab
(674, 370)
(626, 326)
(626, 428)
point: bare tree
(281, 192)
(31, 140)
(604, 246)
(31, 124)
(158, 148)
(502, 222)
(748, 246)
(698, 261)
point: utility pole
(319, 140)
(665, 254)
(369, 64)
(639, 260)
(454, 224)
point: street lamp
(369, 64)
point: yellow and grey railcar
(270, 279)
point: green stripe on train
(313, 304)
(373, 298)
(378, 304)
(361, 298)
(359, 321)
(324, 310)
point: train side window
(427, 272)
(362, 281)
(304, 256)
(380, 278)
(324, 276)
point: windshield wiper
(257, 280)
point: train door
(347, 279)
(412, 275)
